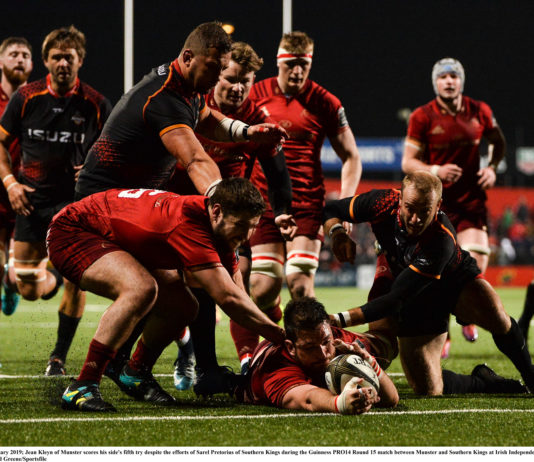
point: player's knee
(30, 282)
(142, 296)
(299, 289)
(268, 264)
(302, 261)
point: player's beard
(14, 77)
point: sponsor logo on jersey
(56, 136)
(162, 70)
(57, 110)
(266, 111)
(78, 119)
(437, 130)
(285, 124)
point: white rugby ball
(344, 367)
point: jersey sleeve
(11, 119)
(335, 119)
(167, 110)
(487, 118)
(417, 126)
(369, 207)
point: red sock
(143, 357)
(96, 361)
(245, 341)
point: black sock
(513, 345)
(203, 331)
(65, 333)
(528, 308)
(455, 384)
(125, 351)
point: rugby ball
(344, 367)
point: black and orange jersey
(434, 254)
(55, 133)
(130, 153)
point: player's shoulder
(443, 229)
(264, 89)
(425, 111)
(32, 89)
(90, 93)
(318, 95)
(475, 106)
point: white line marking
(260, 416)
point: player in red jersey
(138, 248)
(56, 119)
(230, 97)
(430, 278)
(309, 113)
(292, 375)
(16, 65)
(444, 138)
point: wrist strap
(334, 228)
(434, 170)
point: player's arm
(280, 194)
(412, 161)
(16, 191)
(345, 147)
(182, 143)
(389, 396)
(315, 399)
(497, 151)
(334, 214)
(216, 126)
(235, 302)
(406, 287)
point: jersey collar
(55, 94)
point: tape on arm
(231, 130)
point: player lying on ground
(138, 247)
(292, 375)
(425, 277)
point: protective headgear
(446, 66)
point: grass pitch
(31, 416)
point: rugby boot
(142, 386)
(10, 297)
(495, 383)
(184, 367)
(470, 332)
(220, 379)
(85, 396)
(55, 367)
(113, 371)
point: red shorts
(463, 220)
(308, 221)
(71, 248)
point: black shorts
(34, 227)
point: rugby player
(292, 375)
(136, 247)
(56, 120)
(230, 97)
(444, 138)
(16, 65)
(309, 113)
(430, 277)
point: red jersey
(273, 372)
(449, 139)
(160, 229)
(233, 159)
(308, 117)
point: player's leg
(476, 242)
(302, 263)
(165, 321)
(10, 294)
(479, 304)
(528, 311)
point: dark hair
(305, 313)
(244, 55)
(296, 42)
(424, 182)
(64, 37)
(14, 41)
(208, 35)
(238, 197)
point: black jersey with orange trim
(435, 254)
(130, 153)
(55, 134)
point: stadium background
(375, 56)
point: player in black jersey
(426, 276)
(56, 120)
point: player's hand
(450, 173)
(343, 247)
(286, 225)
(271, 134)
(77, 170)
(343, 348)
(354, 400)
(20, 202)
(487, 177)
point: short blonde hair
(296, 42)
(244, 55)
(424, 182)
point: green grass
(30, 414)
